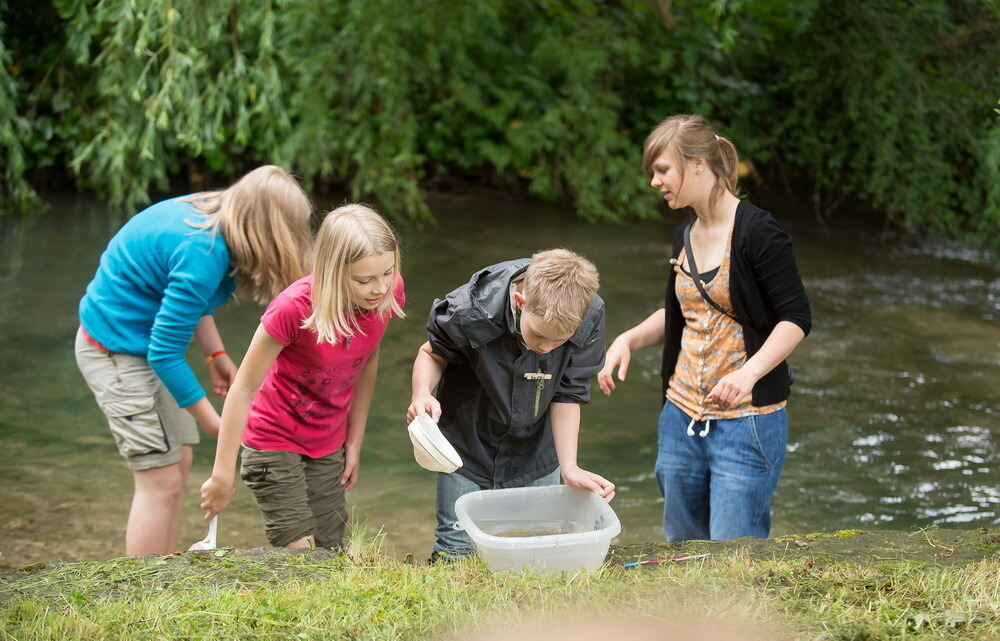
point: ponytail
(728, 169)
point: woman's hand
(576, 477)
(352, 463)
(222, 370)
(619, 355)
(216, 494)
(732, 389)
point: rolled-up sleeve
(778, 274)
(444, 326)
(584, 364)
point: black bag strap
(696, 275)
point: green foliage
(891, 107)
(171, 82)
(15, 190)
(887, 102)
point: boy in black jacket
(511, 353)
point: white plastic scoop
(207, 543)
(430, 447)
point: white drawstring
(704, 432)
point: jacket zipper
(495, 458)
(539, 384)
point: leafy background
(881, 102)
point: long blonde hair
(689, 136)
(347, 235)
(264, 219)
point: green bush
(892, 107)
(889, 102)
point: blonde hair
(347, 235)
(689, 136)
(264, 219)
(558, 287)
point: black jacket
(764, 287)
(497, 420)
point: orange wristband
(212, 357)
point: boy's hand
(352, 463)
(423, 404)
(619, 355)
(216, 493)
(602, 487)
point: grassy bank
(851, 585)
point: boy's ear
(519, 299)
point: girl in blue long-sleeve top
(158, 281)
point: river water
(894, 417)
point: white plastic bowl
(528, 508)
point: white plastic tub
(530, 510)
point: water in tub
(509, 529)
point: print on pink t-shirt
(303, 403)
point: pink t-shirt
(303, 403)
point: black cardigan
(764, 288)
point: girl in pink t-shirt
(301, 397)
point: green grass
(363, 593)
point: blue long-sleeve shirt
(156, 279)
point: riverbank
(851, 584)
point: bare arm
(206, 334)
(217, 491)
(733, 388)
(205, 415)
(428, 368)
(648, 333)
(357, 419)
(565, 433)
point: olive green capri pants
(297, 495)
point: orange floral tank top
(711, 347)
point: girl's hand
(423, 404)
(222, 371)
(216, 494)
(619, 355)
(352, 462)
(576, 477)
(732, 389)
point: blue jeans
(717, 482)
(452, 543)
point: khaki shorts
(298, 496)
(148, 426)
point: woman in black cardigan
(731, 317)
